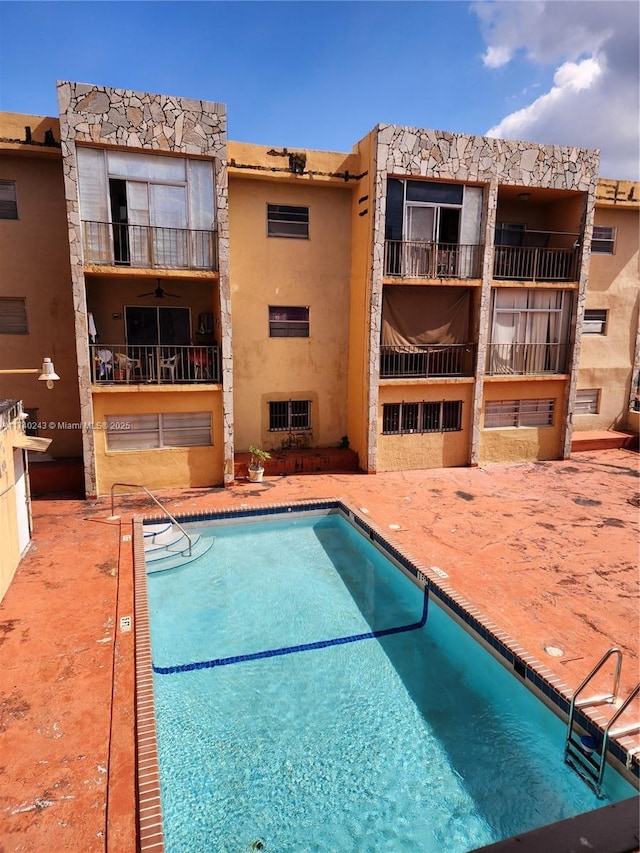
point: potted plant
(256, 466)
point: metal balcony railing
(526, 359)
(411, 259)
(425, 361)
(121, 364)
(529, 263)
(149, 246)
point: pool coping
(535, 675)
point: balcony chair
(104, 365)
(168, 365)
(128, 365)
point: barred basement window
(407, 418)
(288, 322)
(587, 402)
(287, 220)
(13, 315)
(603, 241)
(518, 413)
(150, 432)
(595, 322)
(8, 200)
(289, 415)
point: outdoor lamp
(48, 373)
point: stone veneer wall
(409, 152)
(102, 116)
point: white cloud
(593, 47)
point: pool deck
(548, 551)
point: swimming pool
(309, 696)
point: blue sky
(322, 74)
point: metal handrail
(155, 499)
(607, 729)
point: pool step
(170, 550)
(150, 531)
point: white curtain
(94, 210)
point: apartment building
(428, 299)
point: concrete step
(603, 440)
(312, 460)
(178, 559)
(150, 531)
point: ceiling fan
(159, 293)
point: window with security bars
(587, 401)
(287, 220)
(603, 241)
(408, 418)
(152, 431)
(8, 200)
(595, 322)
(289, 415)
(13, 315)
(518, 413)
(289, 322)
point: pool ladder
(590, 763)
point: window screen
(13, 315)
(8, 200)
(286, 220)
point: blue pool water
(416, 740)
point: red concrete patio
(548, 551)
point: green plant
(258, 457)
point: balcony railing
(425, 361)
(526, 359)
(121, 365)
(149, 246)
(529, 263)
(410, 259)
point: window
(286, 220)
(595, 322)
(518, 413)
(13, 315)
(529, 332)
(8, 200)
(146, 209)
(604, 240)
(31, 423)
(148, 432)
(288, 322)
(289, 415)
(407, 418)
(587, 402)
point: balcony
(118, 364)
(149, 246)
(410, 259)
(525, 359)
(538, 262)
(427, 361)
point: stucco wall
(35, 264)
(289, 272)
(606, 361)
(425, 450)
(522, 444)
(9, 548)
(163, 468)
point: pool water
(411, 741)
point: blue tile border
(524, 666)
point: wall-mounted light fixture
(524, 196)
(47, 372)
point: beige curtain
(425, 315)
